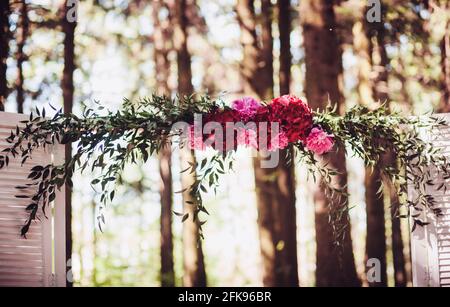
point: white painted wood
(38, 260)
(419, 253)
(59, 235)
(430, 245)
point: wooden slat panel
(432, 261)
(444, 247)
(37, 278)
(445, 255)
(16, 270)
(18, 223)
(445, 274)
(38, 260)
(19, 283)
(13, 256)
(20, 241)
(444, 268)
(21, 260)
(441, 139)
(17, 263)
(444, 261)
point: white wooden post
(38, 260)
(59, 235)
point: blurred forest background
(266, 226)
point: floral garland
(107, 140)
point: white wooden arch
(38, 260)
(430, 244)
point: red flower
(294, 116)
(223, 117)
(262, 115)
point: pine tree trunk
(22, 34)
(161, 37)
(445, 66)
(398, 257)
(376, 234)
(193, 263)
(284, 28)
(324, 81)
(287, 172)
(382, 94)
(68, 94)
(167, 269)
(375, 238)
(275, 198)
(4, 51)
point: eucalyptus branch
(374, 135)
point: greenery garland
(107, 140)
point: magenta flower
(246, 107)
(319, 141)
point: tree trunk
(445, 66)
(398, 257)
(68, 94)
(363, 49)
(375, 238)
(287, 172)
(22, 34)
(161, 37)
(382, 94)
(275, 198)
(4, 51)
(284, 28)
(193, 263)
(266, 50)
(324, 81)
(167, 270)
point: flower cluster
(286, 119)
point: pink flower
(319, 141)
(195, 141)
(246, 107)
(247, 137)
(278, 141)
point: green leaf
(177, 213)
(185, 217)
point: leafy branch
(397, 145)
(105, 141)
